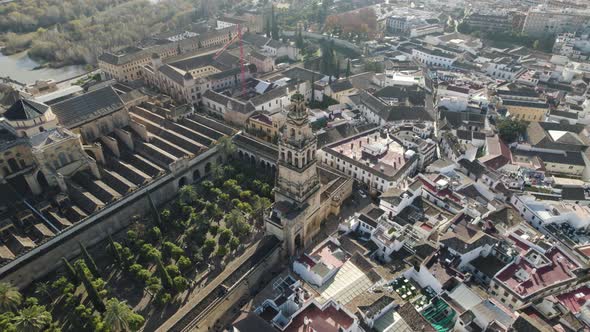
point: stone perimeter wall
(228, 306)
(116, 216)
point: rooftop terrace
(379, 152)
(527, 276)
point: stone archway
(13, 165)
(298, 243)
(253, 160)
(208, 168)
(42, 180)
(182, 182)
(196, 175)
(91, 154)
(241, 155)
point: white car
(362, 194)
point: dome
(25, 109)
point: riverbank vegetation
(65, 32)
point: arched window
(297, 162)
(63, 159)
(289, 156)
(13, 165)
(292, 132)
(308, 156)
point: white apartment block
(544, 21)
(434, 58)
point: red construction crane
(237, 37)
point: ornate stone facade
(302, 199)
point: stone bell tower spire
(297, 173)
(295, 217)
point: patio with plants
(410, 291)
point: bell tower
(297, 190)
(298, 176)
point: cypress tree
(70, 271)
(348, 69)
(115, 251)
(337, 74)
(312, 87)
(275, 27)
(299, 40)
(157, 218)
(166, 279)
(92, 291)
(89, 261)
(268, 28)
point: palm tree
(44, 289)
(10, 297)
(187, 194)
(32, 319)
(118, 315)
(226, 146)
(260, 206)
(217, 172)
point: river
(21, 68)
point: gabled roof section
(89, 106)
(236, 105)
(341, 85)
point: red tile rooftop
(390, 154)
(262, 118)
(304, 259)
(426, 227)
(519, 245)
(585, 251)
(445, 193)
(325, 254)
(328, 320)
(559, 270)
(575, 299)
